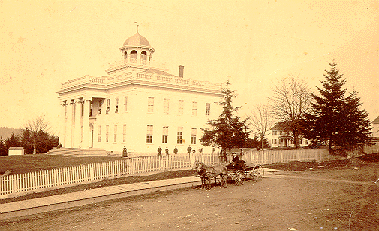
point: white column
(77, 125)
(86, 130)
(63, 127)
(69, 125)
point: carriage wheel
(224, 181)
(239, 178)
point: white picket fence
(34, 181)
(55, 178)
(284, 156)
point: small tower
(137, 50)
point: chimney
(181, 69)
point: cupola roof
(136, 40)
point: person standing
(189, 149)
(159, 152)
(124, 152)
(166, 151)
(175, 150)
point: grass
(103, 183)
(32, 163)
(365, 169)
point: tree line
(332, 116)
(34, 138)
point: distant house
(280, 137)
(15, 151)
(375, 130)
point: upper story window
(100, 105)
(194, 108)
(181, 107)
(108, 105)
(207, 109)
(117, 100)
(274, 133)
(166, 106)
(150, 105)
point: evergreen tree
(3, 148)
(228, 131)
(335, 118)
(12, 141)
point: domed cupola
(137, 49)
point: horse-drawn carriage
(236, 171)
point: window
(116, 105)
(150, 105)
(108, 106)
(207, 108)
(100, 104)
(193, 135)
(165, 135)
(149, 134)
(115, 134)
(179, 137)
(166, 106)
(194, 108)
(124, 133)
(99, 134)
(133, 56)
(126, 103)
(181, 106)
(274, 133)
(107, 133)
(143, 57)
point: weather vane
(137, 26)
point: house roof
(280, 126)
(376, 121)
(16, 148)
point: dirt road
(287, 203)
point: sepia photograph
(189, 115)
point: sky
(252, 43)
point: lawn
(32, 163)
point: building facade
(137, 106)
(280, 137)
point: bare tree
(261, 120)
(35, 127)
(291, 100)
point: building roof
(136, 40)
(376, 121)
(280, 126)
(16, 148)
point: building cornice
(142, 78)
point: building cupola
(137, 49)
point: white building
(136, 106)
(280, 137)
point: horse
(207, 172)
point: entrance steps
(78, 152)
